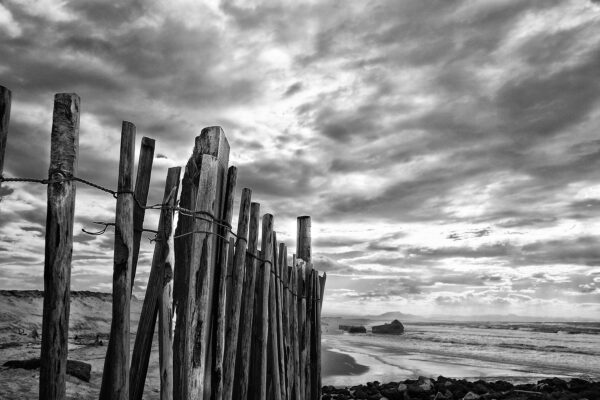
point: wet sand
(364, 362)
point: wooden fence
(247, 323)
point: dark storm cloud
(293, 89)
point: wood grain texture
(263, 303)
(115, 377)
(5, 103)
(220, 295)
(295, 352)
(235, 300)
(161, 275)
(215, 142)
(273, 371)
(302, 356)
(245, 334)
(318, 281)
(142, 185)
(64, 147)
(279, 311)
(192, 331)
(188, 248)
(303, 239)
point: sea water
(516, 352)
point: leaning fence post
(274, 365)
(219, 314)
(235, 301)
(142, 184)
(64, 146)
(242, 369)
(5, 101)
(161, 275)
(115, 377)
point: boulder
(393, 328)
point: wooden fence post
(142, 185)
(322, 281)
(194, 263)
(273, 363)
(242, 373)
(64, 147)
(279, 308)
(263, 303)
(283, 268)
(318, 335)
(115, 377)
(220, 294)
(165, 302)
(5, 102)
(294, 333)
(302, 327)
(303, 241)
(235, 301)
(314, 349)
(159, 284)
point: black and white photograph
(300, 199)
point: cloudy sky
(447, 151)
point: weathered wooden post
(294, 333)
(142, 185)
(242, 373)
(265, 275)
(220, 294)
(195, 252)
(319, 290)
(303, 251)
(64, 147)
(303, 241)
(115, 377)
(273, 370)
(234, 306)
(159, 285)
(279, 309)
(5, 101)
(301, 290)
(283, 268)
(165, 301)
(314, 349)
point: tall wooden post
(220, 289)
(195, 253)
(115, 378)
(142, 185)
(274, 354)
(64, 147)
(5, 101)
(235, 303)
(295, 351)
(242, 373)
(319, 290)
(165, 301)
(265, 275)
(303, 241)
(159, 282)
(303, 251)
(301, 268)
(279, 310)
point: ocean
(514, 352)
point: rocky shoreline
(456, 389)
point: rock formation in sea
(394, 328)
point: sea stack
(394, 328)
